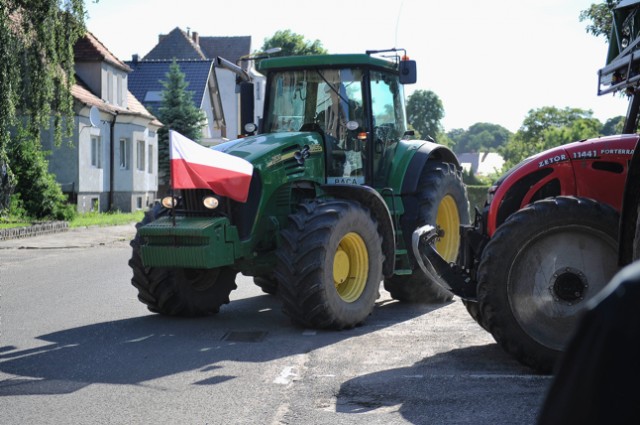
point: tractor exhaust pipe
(448, 275)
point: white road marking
(285, 376)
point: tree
(37, 72)
(600, 18)
(424, 113)
(613, 126)
(293, 44)
(178, 113)
(548, 127)
(480, 137)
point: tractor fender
(426, 152)
(373, 201)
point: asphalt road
(76, 347)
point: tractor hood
(289, 155)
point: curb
(35, 230)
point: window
(124, 154)
(140, 155)
(150, 161)
(96, 151)
(119, 90)
(389, 122)
(109, 94)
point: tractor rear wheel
(330, 264)
(538, 272)
(441, 201)
(179, 291)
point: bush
(36, 187)
(477, 195)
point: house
(241, 99)
(110, 163)
(482, 163)
(145, 82)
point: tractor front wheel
(330, 264)
(179, 291)
(541, 267)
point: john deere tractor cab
(331, 103)
(338, 189)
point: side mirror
(408, 73)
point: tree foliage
(293, 44)
(480, 137)
(548, 127)
(37, 72)
(613, 126)
(424, 113)
(178, 113)
(599, 17)
(36, 188)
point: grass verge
(105, 219)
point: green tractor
(337, 190)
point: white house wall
(205, 106)
(229, 97)
(63, 158)
(130, 183)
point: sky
(488, 61)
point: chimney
(196, 38)
(134, 58)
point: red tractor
(546, 240)
(545, 243)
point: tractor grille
(191, 204)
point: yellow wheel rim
(448, 224)
(350, 267)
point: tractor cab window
(389, 122)
(330, 102)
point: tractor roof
(312, 61)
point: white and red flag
(194, 166)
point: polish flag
(194, 166)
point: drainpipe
(112, 143)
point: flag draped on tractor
(194, 166)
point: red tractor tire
(538, 272)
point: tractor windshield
(328, 101)
(328, 98)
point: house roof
(90, 49)
(177, 44)
(483, 163)
(182, 45)
(145, 82)
(230, 48)
(81, 93)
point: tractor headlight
(210, 202)
(169, 202)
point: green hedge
(477, 196)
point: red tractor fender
(592, 168)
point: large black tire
(442, 201)
(539, 270)
(330, 264)
(178, 291)
(268, 284)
